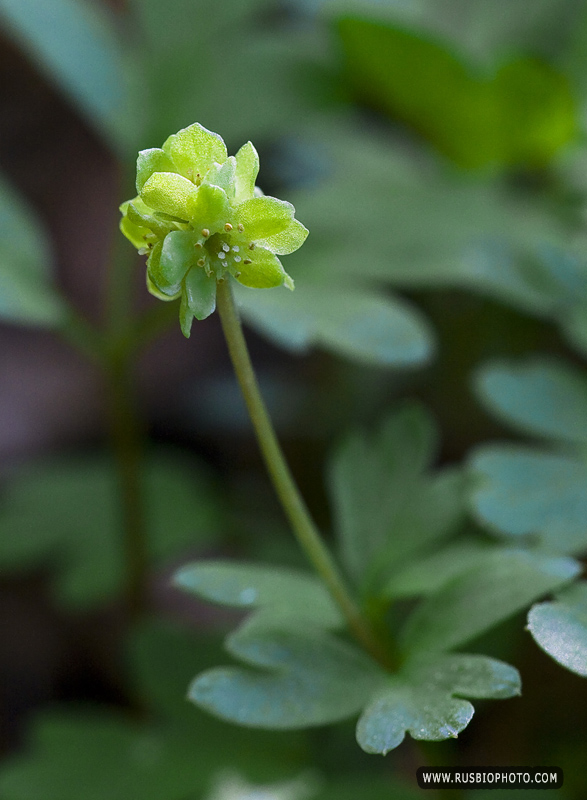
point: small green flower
(200, 217)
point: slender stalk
(285, 486)
(126, 432)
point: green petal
(287, 240)
(200, 291)
(247, 169)
(159, 294)
(195, 149)
(186, 316)
(177, 256)
(140, 215)
(150, 161)
(223, 175)
(170, 193)
(263, 217)
(264, 272)
(133, 232)
(211, 209)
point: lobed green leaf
(389, 505)
(560, 628)
(424, 700)
(353, 321)
(276, 593)
(526, 491)
(539, 396)
(505, 582)
(303, 678)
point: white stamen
(236, 248)
(221, 255)
(226, 248)
(237, 259)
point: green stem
(126, 432)
(285, 486)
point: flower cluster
(200, 218)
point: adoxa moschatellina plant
(200, 218)
(203, 222)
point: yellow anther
(241, 227)
(252, 246)
(228, 227)
(247, 261)
(205, 232)
(201, 262)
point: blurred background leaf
(77, 44)
(26, 291)
(65, 513)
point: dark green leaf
(106, 755)
(505, 582)
(423, 700)
(26, 293)
(560, 628)
(68, 510)
(276, 593)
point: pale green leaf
(560, 628)
(424, 700)
(353, 321)
(526, 491)
(389, 505)
(539, 396)
(276, 593)
(301, 679)
(505, 582)
(428, 575)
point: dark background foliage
(435, 150)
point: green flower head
(200, 218)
